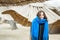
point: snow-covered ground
(6, 33)
(22, 33)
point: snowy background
(23, 33)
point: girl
(39, 27)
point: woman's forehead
(41, 13)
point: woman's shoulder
(34, 20)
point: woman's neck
(42, 18)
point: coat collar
(39, 20)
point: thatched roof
(55, 27)
(18, 18)
(17, 2)
(56, 11)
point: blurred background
(16, 17)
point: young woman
(39, 27)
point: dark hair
(38, 14)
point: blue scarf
(35, 28)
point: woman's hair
(39, 13)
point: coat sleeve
(46, 31)
(33, 28)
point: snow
(22, 33)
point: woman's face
(41, 15)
